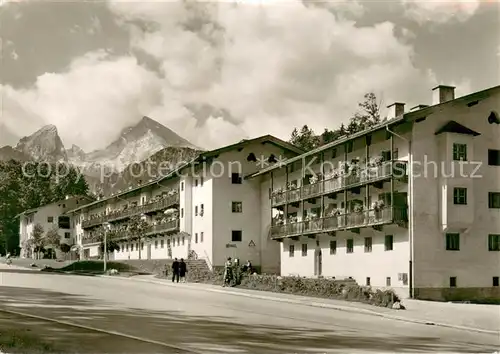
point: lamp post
(106, 226)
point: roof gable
(457, 128)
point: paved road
(207, 322)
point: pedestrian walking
(175, 271)
(228, 272)
(182, 270)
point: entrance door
(149, 250)
(318, 262)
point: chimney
(396, 109)
(442, 93)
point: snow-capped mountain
(134, 144)
(43, 145)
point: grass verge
(23, 341)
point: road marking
(140, 339)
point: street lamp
(106, 227)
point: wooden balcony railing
(169, 226)
(363, 176)
(347, 221)
(137, 210)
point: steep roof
(201, 158)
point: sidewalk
(478, 318)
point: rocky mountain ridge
(107, 170)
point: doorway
(149, 250)
(318, 262)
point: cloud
(273, 67)
(440, 11)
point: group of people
(179, 270)
(233, 271)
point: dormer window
(251, 157)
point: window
(64, 222)
(349, 245)
(334, 153)
(196, 182)
(251, 157)
(496, 281)
(272, 159)
(386, 155)
(196, 210)
(201, 181)
(460, 196)
(388, 281)
(142, 245)
(183, 240)
(126, 247)
(494, 242)
(236, 235)
(162, 243)
(201, 236)
(235, 178)
(459, 152)
(50, 219)
(182, 186)
(291, 250)
(304, 249)
(389, 242)
(67, 235)
(368, 244)
(494, 157)
(333, 247)
(182, 212)
(453, 282)
(156, 244)
(196, 238)
(237, 207)
(132, 247)
(494, 200)
(368, 281)
(202, 211)
(453, 242)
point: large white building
(412, 204)
(205, 209)
(50, 217)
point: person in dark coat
(182, 270)
(175, 270)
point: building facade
(205, 209)
(412, 204)
(49, 217)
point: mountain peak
(45, 144)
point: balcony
(121, 234)
(153, 206)
(353, 220)
(337, 183)
(167, 227)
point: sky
(219, 72)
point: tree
(136, 228)
(367, 116)
(111, 246)
(37, 239)
(65, 248)
(52, 239)
(306, 139)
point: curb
(323, 305)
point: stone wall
(477, 295)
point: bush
(97, 267)
(322, 288)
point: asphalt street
(156, 318)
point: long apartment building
(204, 209)
(412, 204)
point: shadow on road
(208, 334)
